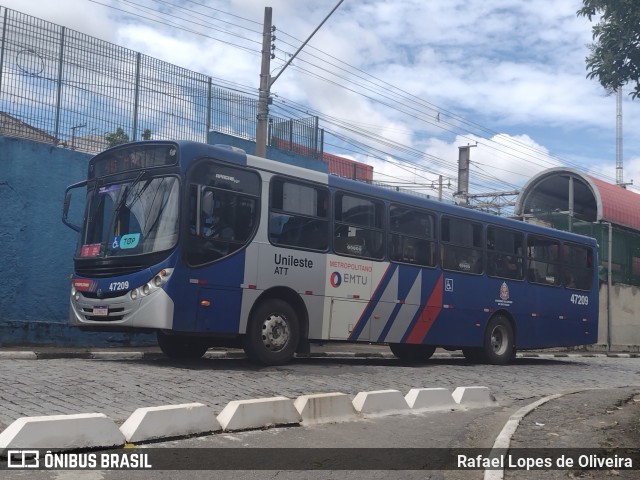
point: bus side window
(411, 236)
(544, 260)
(461, 244)
(577, 267)
(359, 226)
(298, 215)
(504, 253)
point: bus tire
(474, 354)
(412, 352)
(181, 347)
(273, 333)
(499, 344)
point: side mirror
(67, 204)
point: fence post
(4, 33)
(56, 135)
(136, 99)
(209, 101)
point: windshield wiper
(125, 194)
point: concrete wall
(36, 248)
(625, 318)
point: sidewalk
(591, 419)
(360, 350)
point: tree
(146, 135)
(615, 54)
(113, 139)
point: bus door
(359, 242)
(222, 218)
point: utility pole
(464, 159)
(619, 167)
(265, 78)
(265, 83)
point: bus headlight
(157, 281)
(134, 294)
(76, 296)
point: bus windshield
(134, 217)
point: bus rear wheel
(272, 333)
(499, 343)
(181, 347)
(412, 352)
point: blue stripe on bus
(373, 302)
(390, 322)
(407, 277)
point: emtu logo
(335, 279)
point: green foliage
(615, 54)
(113, 139)
(146, 135)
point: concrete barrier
(100, 355)
(430, 399)
(258, 413)
(62, 432)
(21, 355)
(474, 397)
(169, 421)
(325, 408)
(380, 402)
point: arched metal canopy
(582, 196)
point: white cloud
(513, 67)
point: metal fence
(625, 245)
(70, 89)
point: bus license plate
(100, 311)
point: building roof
(594, 200)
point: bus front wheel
(499, 345)
(181, 347)
(272, 333)
(412, 352)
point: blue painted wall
(36, 248)
(272, 153)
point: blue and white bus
(209, 246)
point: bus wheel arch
(277, 325)
(499, 339)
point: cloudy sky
(417, 78)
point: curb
(139, 355)
(503, 440)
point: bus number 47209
(579, 299)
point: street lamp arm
(273, 80)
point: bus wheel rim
(499, 339)
(275, 332)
